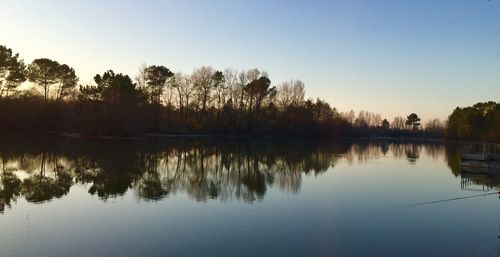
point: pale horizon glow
(387, 57)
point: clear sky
(390, 57)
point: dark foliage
(480, 122)
(206, 102)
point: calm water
(62, 197)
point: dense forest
(45, 96)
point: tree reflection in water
(41, 169)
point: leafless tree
(140, 78)
(231, 84)
(398, 123)
(202, 80)
(241, 83)
(290, 93)
(183, 86)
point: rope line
(447, 200)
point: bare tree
(242, 81)
(183, 86)
(434, 126)
(398, 123)
(202, 80)
(376, 120)
(252, 74)
(230, 80)
(350, 116)
(361, 120)
(140, 78)
(290, 93)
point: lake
(242, 197)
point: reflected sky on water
(235, 197)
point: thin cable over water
(447, 200)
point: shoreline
(76, 135)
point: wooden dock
(481, 156)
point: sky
(385, 56)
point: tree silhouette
(45, 73)
(385, 125)
(201, 168)
(116, 88)
(478, 122)
(202, 80)
(220, 88)
(413, 121)
(39, 187)
(12, 70)
(290, 93)
(206, 101)
(10, 188)
(184, 88)
(67, 80)
(155, 79)
(258, 90)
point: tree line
(478, 122)
(158, 100)
(205, 169)
(242, 170)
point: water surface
(65, 197)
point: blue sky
(389, 57)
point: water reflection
(40, 169)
